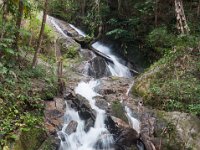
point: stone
(120, 123)
(101, 103)
(54, 112)
(88, 124)
(51, 143)
(127, 137)
(87, 54)
(71, 127)
(98, 68)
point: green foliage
(118, 111)
(21, 107)
(63, 9)
(176, 85)
(71, 52)
(119, 33)
(161, 40)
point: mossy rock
(28, 140)
(117, 111)
(50, 144)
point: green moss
(48, 144)
(28, 140)
(117, 110)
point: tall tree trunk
(182, 25)
(83, 5)
(41, 34)
(156, 12)
(18, 24)
(198, 9)
(119, 6)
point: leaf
(9, 51)
(3, 70)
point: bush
(160, 40)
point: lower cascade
(98, 137)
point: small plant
(118, 111)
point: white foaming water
(132, 121)
(52, 20)
(128, 91)
(78, 30)
(116, 69)
(80, 140)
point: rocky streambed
(158, 130)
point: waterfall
(117, 68)
(97, 137)
(80, 140)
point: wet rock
(127, 137)
(103, 141)
(88, 124)
(61, 136)
(98, 68)
(71, 127)
(112, 127)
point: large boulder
(98, 68)
(101, 103)
(54, 112)
(182, 131)
(127, 137)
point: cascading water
(53, 21)
(80, 32)
(117, 69)
(98, 137)
(132, 121)
(80, 140)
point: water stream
(116, 68)
(80, 139)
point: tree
(182, 25)
(41, 34)
(18, 23)
(198, 9)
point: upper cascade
(116, 68)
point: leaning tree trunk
(4, 14)
(83, 6)
(40, 35)
(18, 24)
(182, 25)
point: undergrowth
(21, 105)
(176, 84)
